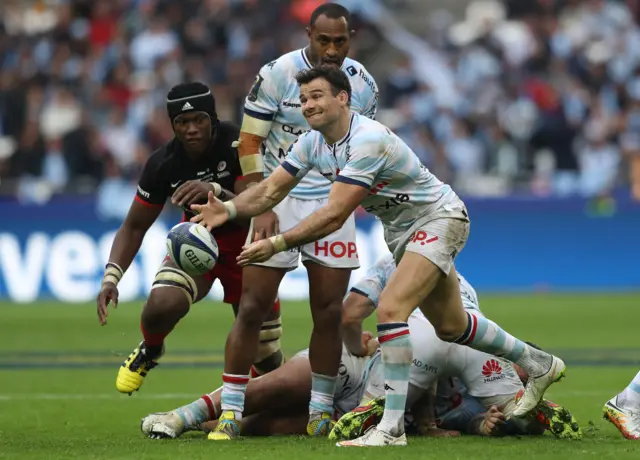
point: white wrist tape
(217, 189)
(113, 273)
(231, 209)
(279, 244)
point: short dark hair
(187, 89)
(332, 11)
(337, 79)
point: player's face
(329, 41)
(319, 106)
(193, 130)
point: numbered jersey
(275, 96)
(377, 276)
(401, 188)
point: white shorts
(351, 380)
(485, 377)
(337, 250)
(438, 238)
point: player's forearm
(321, 223)
(126, 245)
(352, 336)
(355, 309)
(226, 195)
(257, 199)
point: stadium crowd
(535, 96)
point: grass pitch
(58, 366)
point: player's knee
(165, 305)
(448, 331)
(253, 310)
(327, 315)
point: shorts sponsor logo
(422, 238)
(337, 249)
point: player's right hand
(210, 215)
(265, 225)
(493, 422)
(108, 293)
(369, 344)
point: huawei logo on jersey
(492, 371)
(490, 367)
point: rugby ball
(192, 248)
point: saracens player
(202, 157)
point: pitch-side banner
(58, 251)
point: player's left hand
(258, 251)
(493, 423)
(210, 215)
(191, 192)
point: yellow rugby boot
(135, 368)
(228, 428)
(320, 425)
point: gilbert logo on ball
(192, 248)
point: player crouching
(477, 392)
(201, 158)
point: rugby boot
(133, 371)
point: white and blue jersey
(275, 96)
(401, 189)
(377, 276)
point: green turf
(58, 367)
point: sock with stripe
(154, 341)
(199, 411)
(630, 397)
(484, 335)
(233, 390)
(323, 388)
(397, 352)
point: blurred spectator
(533, 96)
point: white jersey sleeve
(298, 161)
(264, 97)
(374, 281)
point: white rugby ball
(192, 248)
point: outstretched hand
(210, 215)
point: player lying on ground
(491, 384)
(201, 158)
(623, 410)
(425, 225)
(276, 403)
(272, 122)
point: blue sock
(397, 352)
(323, 388)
